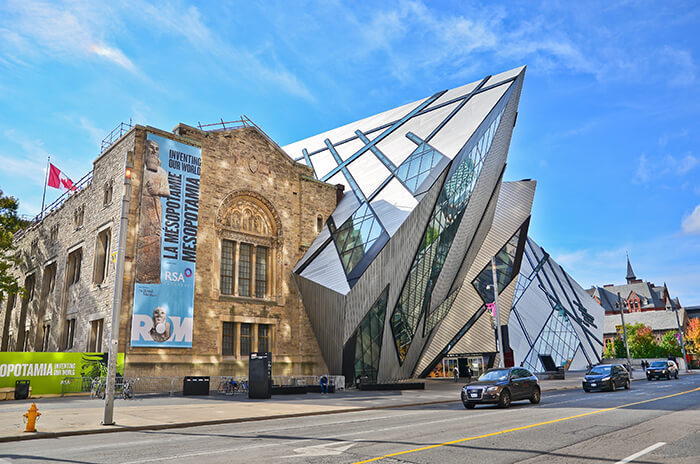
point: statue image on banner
(155, 186)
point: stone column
(254, 338)
(237, 340)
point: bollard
(32, 415)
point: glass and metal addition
(368, 339)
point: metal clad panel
(326, 311)
(393, 205)
(327, 270)
(318, 241)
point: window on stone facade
(246, 336)
(228, 346)
(54, 233)
(95, 341)
(101, 267)
(260, 272)
(244, 269)
(25, 344)
(263, 338)
(228, 248)
(75, 259)
(69, 334)
(29, 286)
(49, 278)
(45, 337)
(319, 223)
(107, 193)
(78, 216)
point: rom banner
(47, 372)
(166, 245)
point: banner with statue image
(166, 245)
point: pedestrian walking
(455, 373)
(324, 384)
(469, 373)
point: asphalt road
(654, 422)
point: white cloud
(691, 223)
(643, 169)
(66, 30)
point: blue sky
(608, 120)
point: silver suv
(659, 369)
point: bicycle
(127, 389)
(97, 390)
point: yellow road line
(461, 440)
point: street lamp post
(624, 331)
(117, 297)
(499, 337)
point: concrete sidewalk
(80, 415)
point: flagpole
(46, 180)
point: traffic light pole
(117, 296)
(682, 340)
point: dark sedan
(502, 386)
(606, 377)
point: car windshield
(658, 364)
(600, 370)
(500, 374)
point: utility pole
(624, 331)
(499, 335)
(117, 297)
(682, 339)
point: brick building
(258, 213)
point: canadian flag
(59, 180)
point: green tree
(670, 345)
(642, 341)
(620, 351)
(10, 223)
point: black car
(502, 386)
(659, 369)
(606, 377)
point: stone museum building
(364, 251)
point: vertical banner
(166, 245)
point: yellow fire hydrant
(32, 415)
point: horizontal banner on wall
(47, 372)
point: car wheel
(535, 398)
(627, 384)
(469, 405)
(587, 390)
(612, 386)
(676, 376)
(668, 376)
(504, 402)
(649, 378)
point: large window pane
(246, 330)
(261, 272)
(244, 270)
(227, 251)
(263, 338)
(227, 343)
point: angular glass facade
(442, 228)
(505, 270)
(368, 341)
(416, 168)
(558, 340)
(356, 236)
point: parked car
(606, 377)
(502, 386)
(659, 369)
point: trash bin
(195, 385)
(21, 389)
